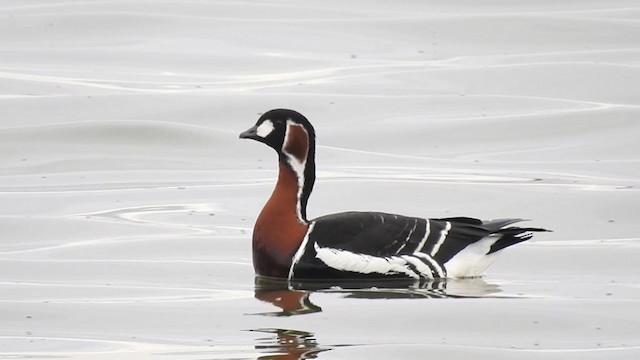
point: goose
(358, 245)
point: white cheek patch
(265, 129)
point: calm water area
(127, 200)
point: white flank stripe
(432, 262)
(300, 251)
(415, 223)
(421, 266)
(365, 264)
(427, 231)
(408, 236)
(443, 235)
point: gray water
(127, 201)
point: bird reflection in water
(288, 344)
(292, 297)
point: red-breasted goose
(358, 245)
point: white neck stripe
(297, 166)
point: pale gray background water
(127, 201)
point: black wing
(370, 233)
(403, 246)
(381, 234)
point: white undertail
(473, 260)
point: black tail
(510, 235)
(465, 231)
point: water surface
(127, 201)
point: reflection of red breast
(287, 300)
(292, 344)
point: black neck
(309, 179)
